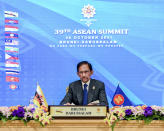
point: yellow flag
(39, 98)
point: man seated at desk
(85, 91)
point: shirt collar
(86, 83)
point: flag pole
(118, 83)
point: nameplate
(78, 111)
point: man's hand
(91, 104)
(67, 104)
(94, 103)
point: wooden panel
(81, 125)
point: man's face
(84, 73)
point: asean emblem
(118, 99)
(88, 12)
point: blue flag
(120, 98)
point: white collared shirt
(87, 84)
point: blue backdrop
(138, 65)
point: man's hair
(84, 63)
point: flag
(11, 57)
(39, 98)
(10, 69)
(10, 14)
(12, 72)
(12, 79)
(120, 98)
(11, 28)
(13, 87)
(11, 35)
(11, 42)
(10, 21)
(11, 49)
(12, 64)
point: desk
(81, 125)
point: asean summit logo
(88, 12)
